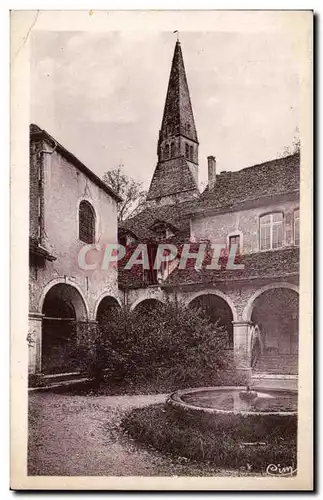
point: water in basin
(230, 400)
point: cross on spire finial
(176, 31)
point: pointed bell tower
(176, 175)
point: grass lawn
(220, 445)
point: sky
(101, 95)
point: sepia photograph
(166, 227)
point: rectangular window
(271, 231)
(234, 240)
(187, 151)
(296, 227)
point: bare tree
(294, 148)
(130, 190)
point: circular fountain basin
(223, 407)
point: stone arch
(65, 281)
(63, 311)
(220, 294)
(217, 310)
(142, 299)
(105, 303)
(247, 312)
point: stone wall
(64, 187)
(218, 227)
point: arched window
(172, 150)
(166, 151)
(191, 153)
(187, 151)
(86, 222)
(271, 231)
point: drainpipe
(41, 191)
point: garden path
(73, 435)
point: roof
(171, 177)
(177, 216)
(271, 264)
(258, 182)
(274, 264)
(37, 133)
(178, 111)
(272, 178)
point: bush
(169, 342)
(221, 445)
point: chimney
(211, 167)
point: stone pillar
(34, 342)
(242, 351)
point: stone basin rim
(174, 399)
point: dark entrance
(105, 309)
(217, 310)
(276, 313)
(62, 308)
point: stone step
(273, 381)
(56, 380)
(277, 363)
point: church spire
(177, 148)
(178, 114)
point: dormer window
(162, 235)
(163, 230)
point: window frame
(230, 244)
(271, 225)
(294, 223)
(94, 221)
(239, 233)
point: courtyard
(80, 436)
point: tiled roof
(262, 265)
(171, 177)
(176, 215)
(178, 111)
(272, 264)
(267, 179)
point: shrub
(169, 341)
(222, 445)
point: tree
(130, 190)
(294, 148)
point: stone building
(257, 210)
(253, 211)
(69, 208)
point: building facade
(253, 211)
(69, 208)
(250, 215)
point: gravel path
(80, 435)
